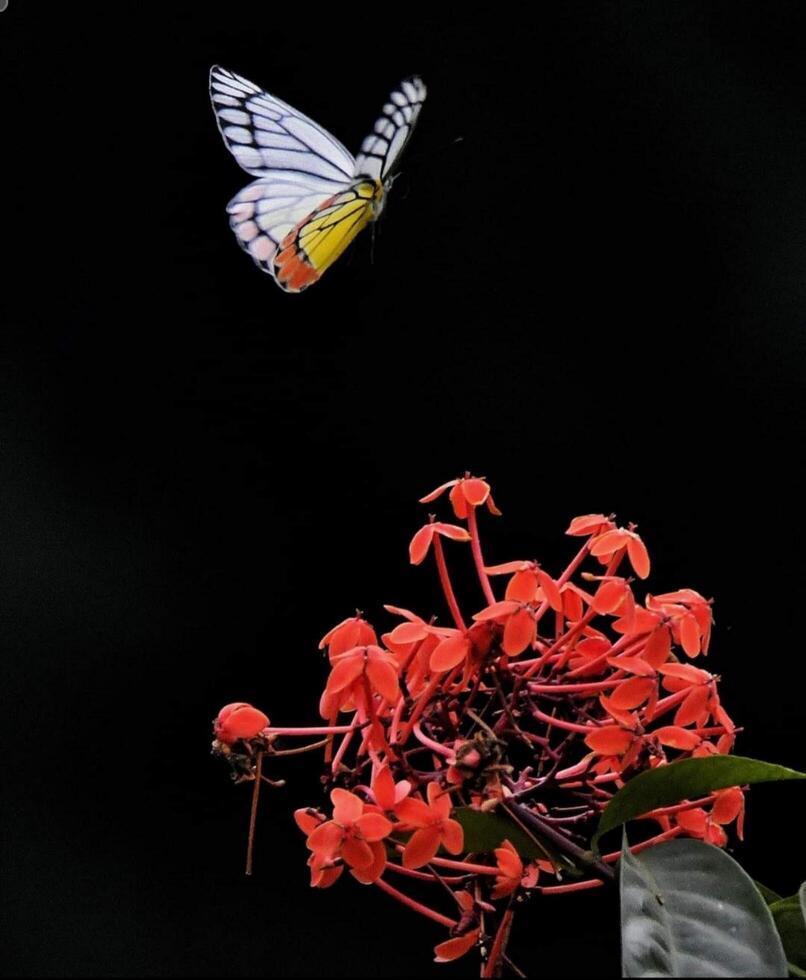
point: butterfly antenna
(430, 154)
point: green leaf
(486, 831)
(686, 780)
(689, 910)
(790, 920)
(767, 894)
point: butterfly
(312, 196)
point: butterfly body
(312, 197)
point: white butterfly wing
(265, 211)
(381, 149)
(270, 139)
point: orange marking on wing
(291, 268)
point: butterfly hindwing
(320, 237)
(265, 211)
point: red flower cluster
(538, 707)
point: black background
(596, 299)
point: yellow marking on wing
(328, 234)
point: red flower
(422, 540)
(386, 791)
(691, 618)
(372, 663)
(510, 870)
(238, 720)
(529, 583)
(606, 545)
(520, 627)
(433, 826)
(354, 835)
(468, 491)
(589, 524)
(353, 632)
(728, 806)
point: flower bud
(238, 720)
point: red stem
(443, 920)
(475, 547)
(447, 588)
(494, 965)
(250, 841)
(568, 726)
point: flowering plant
(481, 755)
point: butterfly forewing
(270, 139)
(382, 148)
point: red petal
(610, 740)
(693, 707)
(383, 788)
(498, 610)
(408, 633)
(357, 853)
(609, 596)
(587, 524)
(522, 587)
(677, 738)
(626, 719)
(685, 672)
(240, 721)
(449, 653)
(458, 502)
(609, 542)
(414, 812)
(690, 635)
(658, 647)
(383, 678)
(374, 827)
(344, 673)
(404, 613)
(347, 807)
(422, 847)
(375, 869)
(693, 821)
(639, 557)
(633, 665)
(476, 491)
(507, 568)
(508, 860)
(550, 590)
(420, 544)
(453, 836)
(629, 694)
(324, 877)
(492, 508)
(572, 604)
(728, 805)
(519, 632)
(325, 840)
(307, 822)
(452, 949)
(593, 646)
(451, 531)
(438, 492)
